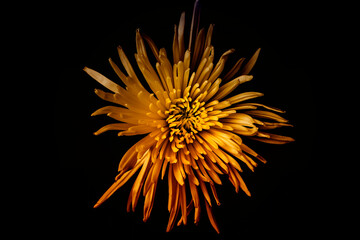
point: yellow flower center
(186, 118)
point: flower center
(186, 118)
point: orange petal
(211, 217)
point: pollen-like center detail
(193, 128)
(186, 118)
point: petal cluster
(192, 126)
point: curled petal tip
(245, 78)
(249, 77)
(182, 117)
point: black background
(283, 201)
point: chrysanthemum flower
(193, 129)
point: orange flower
(193, 128)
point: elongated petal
(274, 139)
(234, 69)
(149, 202)
(113, 126)
(127, 65)
(194, 127)
(194, 24)
(177, 173)
(243, 97)
(120, 182)
(242, 183)
(266, 115)
(137, 130)
(174, 207)
(230, 86)
(103, 80)
(211, 217)
(247, 68)
(183, 204)
(114, 98)
(135, 191)
(117, 70)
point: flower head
(193, 129)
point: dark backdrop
(283, 201)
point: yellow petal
(108, 109)
(245, 148)
(117, 70)
(267, 115)
(127, 65)
(247, 68)
(113, 126)
(137, 130)
(115, 98)
(243, 97)
(103, 80)
(213, 90)
(220, 65)
(234, 69)
(230, 86)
